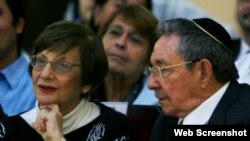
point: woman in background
(128, 39)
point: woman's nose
(121, 42)
(47, 71)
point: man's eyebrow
(159, 61)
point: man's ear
(206, 69)
(20, 25)
(86, 88)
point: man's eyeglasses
(59, 66)
(161, 72)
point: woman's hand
(49, 123)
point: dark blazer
(236, 48)
(233, 108)
(2, 114)
(161, 129)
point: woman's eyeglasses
(59, 66)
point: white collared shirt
(203, 112)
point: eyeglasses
(59, 66)
(161, 72)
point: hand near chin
(49, 123)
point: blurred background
(43, 12)
(225, 10)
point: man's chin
(168, 111)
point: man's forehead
(167, 44)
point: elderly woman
(128, 39)
(67, 62)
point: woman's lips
(117, 57)
(47, 89)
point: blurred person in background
(102, 10)
(128, 39)
(79, 11)
(146, 3)
(16, 89)
(92, 13)
(242, 46)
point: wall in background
(224, 10)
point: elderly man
(194, 76)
